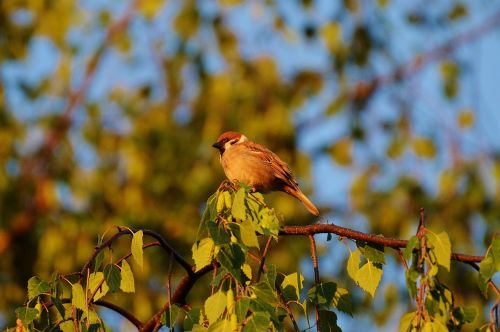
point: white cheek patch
(242, 139)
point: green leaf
(248, 236)
(26, 315)
(98, 260)
(269, 222)
(171, 315)
(328, 321)
(231, 257)
(322, 293)
(241, 308)
(37, 287)
(136, 248)
(113, 277)
(215, 306)
(441, 248)
(265, 293)
(192, 318)
(413, 244)
(217, 233)
(78, 297)
(368, 277)
(292, 285)
(270, 275)
(202, 253)
(97, 285)
(353, 264)
(59, 306)
(374, 253)
(127, 278)
(495, 252)
(342, 301)
(465, 315)
(209, 214)
(238, 209)
(259, 321)
(94, 327)
(487, 266)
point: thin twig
(403, 260)
(263, 259)
(314, 258)
(287, 307)
(214, 274)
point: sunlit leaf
(368, 277)
(203, 253)
(78, 297)
(353, 264)
(292, 285)
(238, 209)
(442, 248)
(127, 278)
(248, 236)
(97, 285)
(215, 306)
(136, 248)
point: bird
(258, 167)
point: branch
(131, 318)
(368, 238)
(178, 297)
(121, 232)
(134, 320)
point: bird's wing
(281, 169)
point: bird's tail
(297, 193)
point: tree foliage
(107, 112)
(246, 293)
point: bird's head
(227, 140)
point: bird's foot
(228, 185)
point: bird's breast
(247, 168)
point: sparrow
(260, 168)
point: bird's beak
(218, 145)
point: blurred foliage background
(108, 110)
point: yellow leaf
(149, 8)
(424, 147)
(465, 119)
(203, 253)
(341, 152)
(332, 36)
(396, 148)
